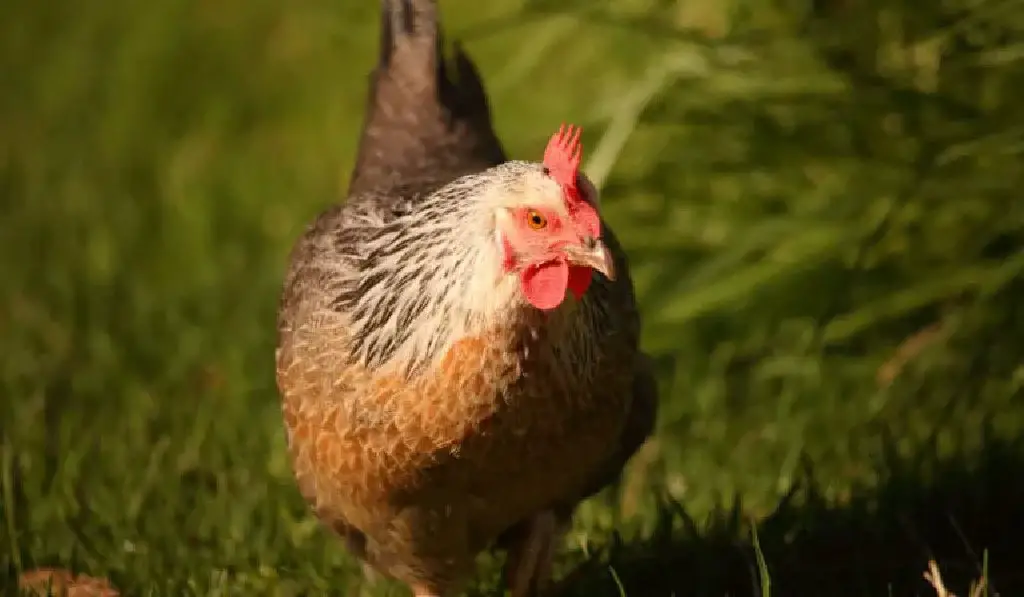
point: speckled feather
(423, 422)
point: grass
(822, 206)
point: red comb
(563, 154)
(562, 159)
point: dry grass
(978, 588)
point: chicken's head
(550, 234)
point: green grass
(823, 210)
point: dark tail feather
(428, 119)
(414, 26)
(411, 24)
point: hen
(454, 374)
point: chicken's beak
(594, 254)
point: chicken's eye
(536, 220)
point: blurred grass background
(821, 200)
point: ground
(820, 202)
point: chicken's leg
(528, 568)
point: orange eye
(536, 220)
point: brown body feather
(420, 469)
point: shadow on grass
(965, 513)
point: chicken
(458, 342)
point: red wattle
(544, 284)
(579, 280)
